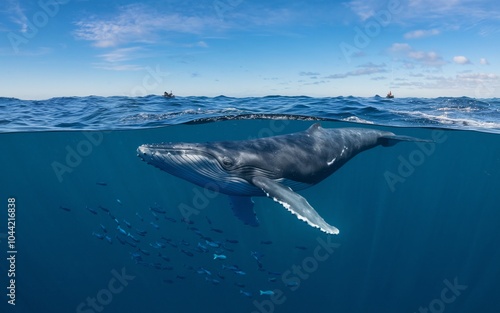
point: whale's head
(202, 164)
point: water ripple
(110, 113)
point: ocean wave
(117, 112)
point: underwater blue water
(418, 222)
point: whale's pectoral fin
(294, 203)
(391, 140)
(243, 209)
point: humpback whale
(275, 167)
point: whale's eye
(227, 161)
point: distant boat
(168, 95)
(390, 95)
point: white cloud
(143, 23)
(16, 14)
(202, 44)
(416, 75)
(424, 57)
(117, 59)
(460, 59)
(411, 55)
(435, 4)
(421, 33)
(484, 61)
(118, 67)
(460, 84)
(264, 17)
(313, 74)
(137, 23)
(462, 11)
(478, 77)
(439, 13)
(400, 47)
(121, 54)
(364, 69)
(363, 9)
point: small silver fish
(266, 292)
(219, 256)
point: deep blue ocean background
(419, 224)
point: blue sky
(416, 48)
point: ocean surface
(95, 229)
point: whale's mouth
(183, 160)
